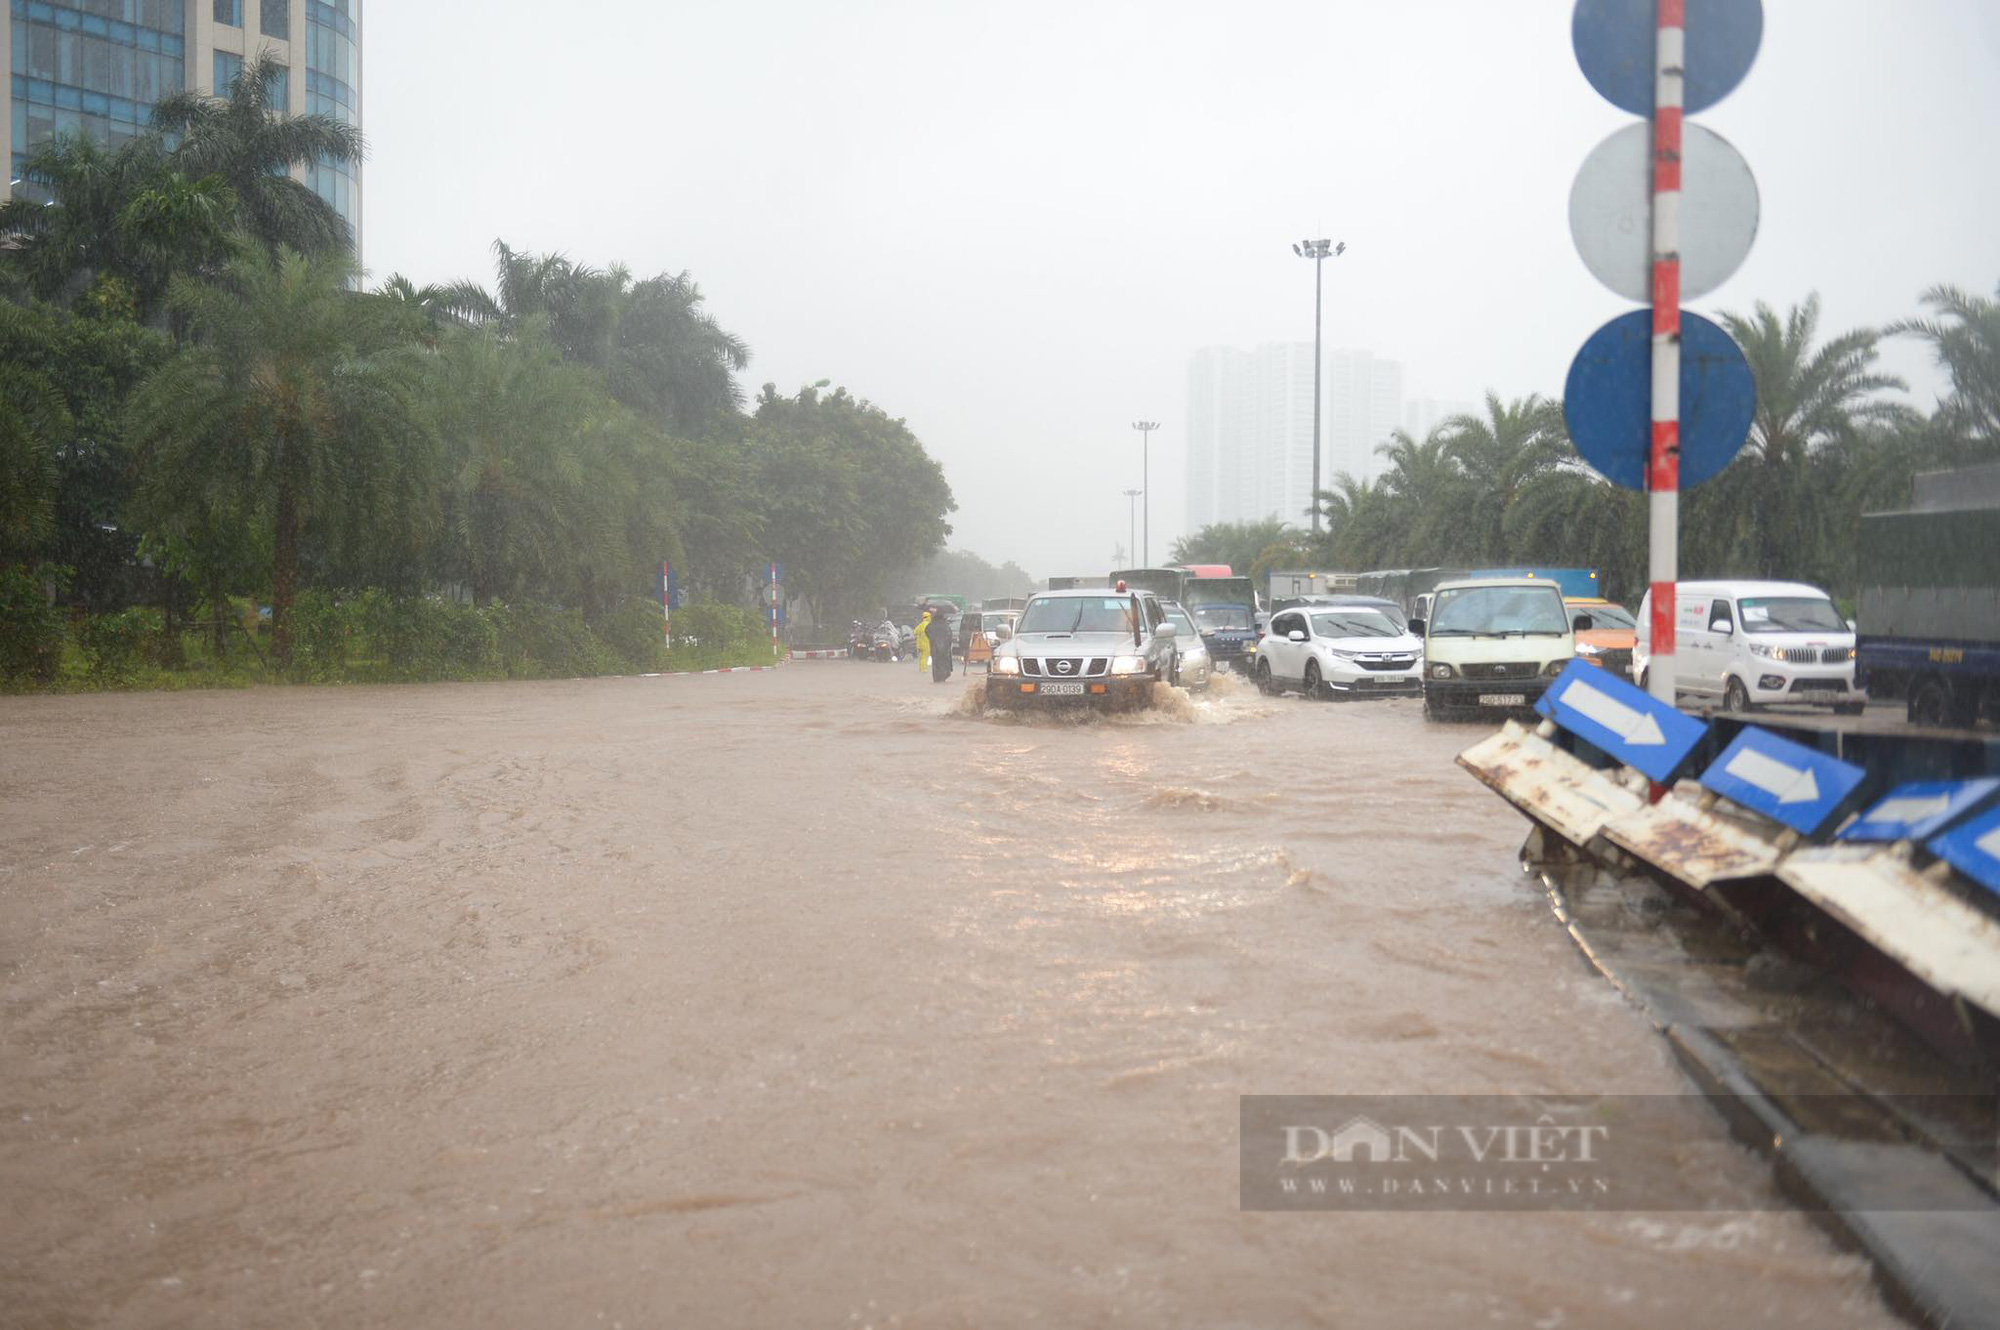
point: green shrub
(116, 645)
(544, 641)
(31, 626)
(708, 637)
(633, 633)
(325, 630)
(429, 637)
(717, 627)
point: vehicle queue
(1468, 642)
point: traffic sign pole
(1663, 475)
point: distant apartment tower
(1249, 442)
(98, 66)
(1364, 406)
(1250, 417)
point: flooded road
(809, 997)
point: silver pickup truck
(1088, 645)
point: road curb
(1934, 1265)
(689, 674)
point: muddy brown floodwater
(796, 998)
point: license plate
(1062, 690)
(1502, 700)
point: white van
(1493, 644)
(1754, 643)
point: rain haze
(1013, 225)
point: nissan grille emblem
(1065, 666)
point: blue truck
(1225, 610)
(1927, 625)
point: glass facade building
(97, 67)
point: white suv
(1340, 651)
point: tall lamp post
(1146, 428)
(1319, 251)
(1132, 513)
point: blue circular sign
(1608, 399)
(1616, 41)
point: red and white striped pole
(1663, 475)
(774, 609)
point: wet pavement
(806, 997)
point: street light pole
(1319, 252)
(1146, 428)
(1132, 515)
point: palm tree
(253, 146)
(533, 492)
(1964, 333)
(295, 396)
(664, 356)
(1769, 513)
(673, 363)
(1500, 455)
(1427, 490)
(1238, 544)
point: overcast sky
(1011, 224)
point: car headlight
(1554, 667)
(1441, 671)
(1588, 649)
(1128, 664)
(1344, 655)
(1006, 665)
(1198, 654)
(1761, 649)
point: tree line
(201, 402)
(1506, 486)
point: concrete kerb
(1935, 1266)
(746, 669)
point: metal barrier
(1762, 825)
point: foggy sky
(1012, 224)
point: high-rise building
(1363, 406)
(98, 66)
(1250, 435)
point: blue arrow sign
(1600, 708)
(1616, 41)
(1608, 399)
(1786, 782)
(1973, 848)
(1921, 809)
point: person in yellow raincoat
(924, 641)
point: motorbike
(886, 642)
(860, 641)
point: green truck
(1927, 626)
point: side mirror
(1851, 626)
(1296, 635)
(1165, 631)
(1726, 628)
(1003, 632)
(1417, 627)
